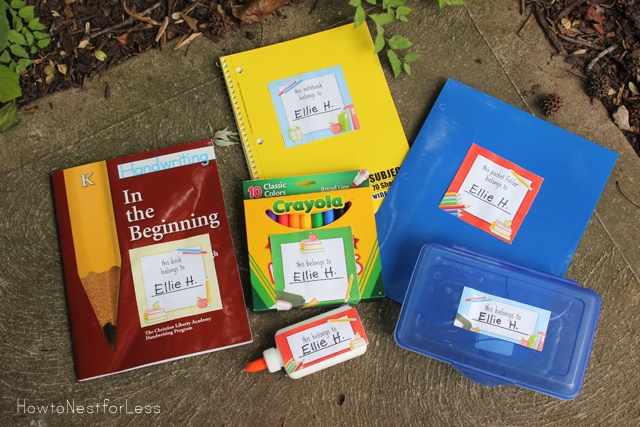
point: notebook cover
(316, 104)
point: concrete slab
(164, 98)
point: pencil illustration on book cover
(491, 193)
(146, 245)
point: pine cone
(598, 86)
(552, 104)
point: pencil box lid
(499, 323)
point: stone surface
(164, 98)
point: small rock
(621, 118)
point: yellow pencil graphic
(522, 181)
(95, 241)
(346, 297)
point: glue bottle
(315, 344)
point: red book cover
(150, 269)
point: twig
(580, 42)
(125, 22)
(552, 37)
(600, 55)
(564, 12)
(625, 196)
(522, 8)
(527, 24)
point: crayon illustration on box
(312, 241)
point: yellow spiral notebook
(316, 104)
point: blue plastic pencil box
(499, 323)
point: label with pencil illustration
(315, 267)
(313, 106)
(491, 193)
(321, 340)
(174, 280)
(502, 318)
(312, 240)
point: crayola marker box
(312, 241)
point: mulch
(91, 36)
(600, 39)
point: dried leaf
(185, 40)
(176, 15)
(256, 10)
(566, 23)
(580, 52)
(224, 137)
(31, 110)
(162, 28)
(633, 88)
(137, 16)
(123, 38)
(190, 22)
(83, 44)
(62, 68)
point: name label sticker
(502, 318)
(491, 193)
(321, 340)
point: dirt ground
(600, 39)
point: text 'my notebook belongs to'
(316, 104)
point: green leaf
(359, 17)
(27, 36)
(379, 43)
(35, 25)
(393, 3)
(18, 50)
(355, 3)
(373, 2)
(5, 56)
(27, 13)
(407, 68)
(411, 57)
(17, 23)
(4, 25)
(44, 43)
(16, 37)
(382, 18)
(9, 84)
(24, 63)
(99, 55)
(396, 64)
(8, 116)
(402, 12)
(399, 42)
(40, 36)
(17, 4)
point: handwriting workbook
(149, 264)
(316, 104)
(486, 176)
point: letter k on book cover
(150, 269)
(316, 104)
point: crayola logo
(306, 206)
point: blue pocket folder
(573, 170)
